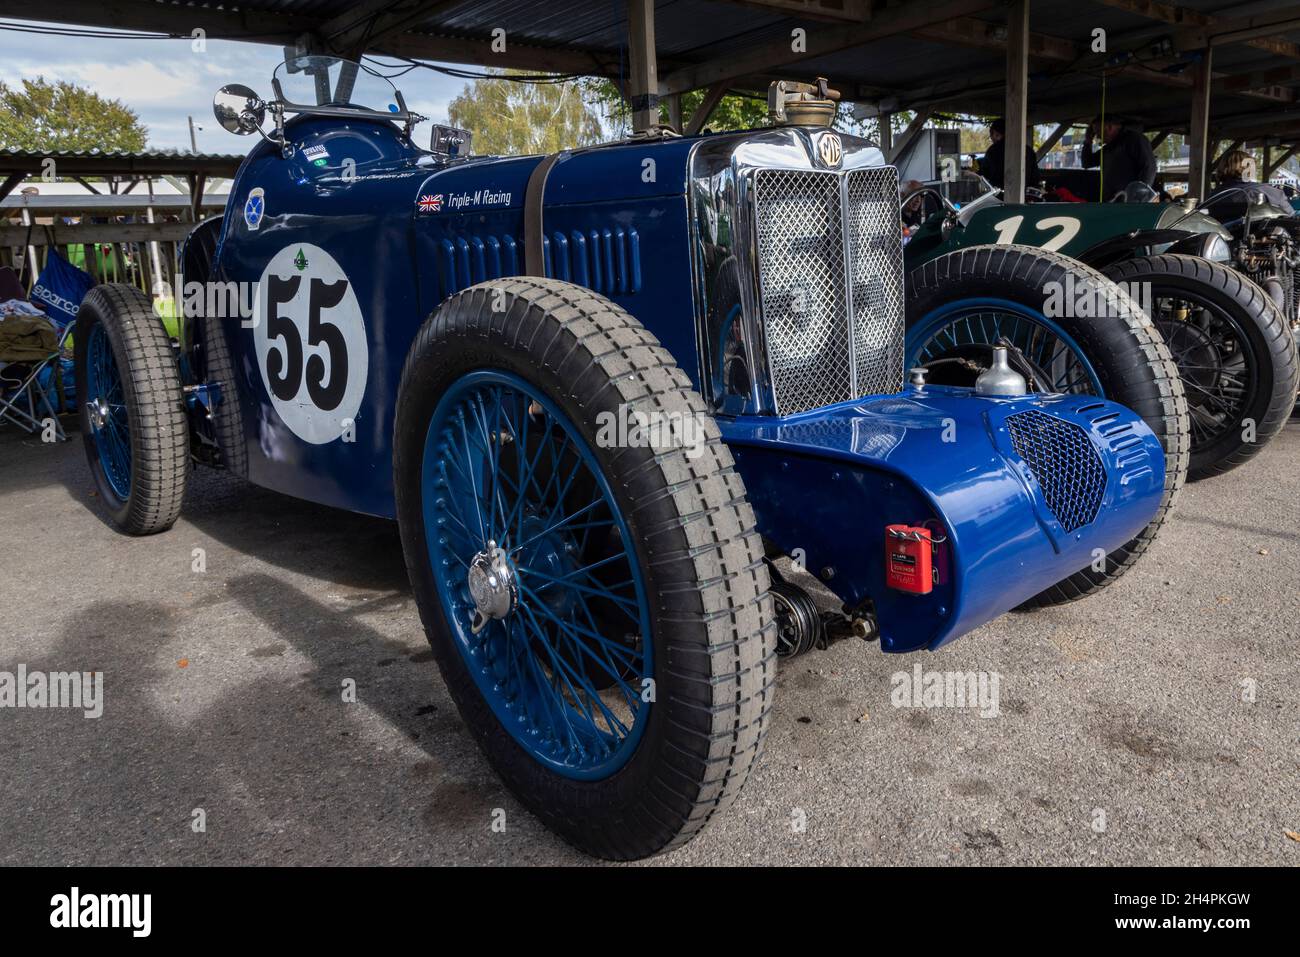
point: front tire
(960, 304)
(132, 409)
(562, 580)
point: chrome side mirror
(238, 109)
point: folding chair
(30, 345)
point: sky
(165, 80)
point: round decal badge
(311, 343)
(254, 208)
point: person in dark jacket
(1124, 157)
(993, 164)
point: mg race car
(600, 392)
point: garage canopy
(1215, 70)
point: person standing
(1125, 156)
(992, 165)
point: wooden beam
(1234, 145)
(837, 10)
(985, 35)
(1256, 80)
(1198, 127)
(1159, 138)
(97, 233)
(11, 183)
(905, 140)
(1236, 30)
(283, 28)
(218, 23)
(364, 25)
(1278, 163)
(1183, 17)
(643, 72)
(885, 121)
(1052, 140)
(1016, 114)
(727, 62)
(702, 113)
(196, 195)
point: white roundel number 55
(311, 343)
(1067, 227)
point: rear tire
(1267, 353)
(1125, 353)
(558, 357)
(132, 409)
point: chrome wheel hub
(491, 586)
(98, 409)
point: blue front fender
(825, 484)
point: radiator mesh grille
(876, 270)
(831, 284)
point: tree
(510, 117)
(733, 112)
(45, 117)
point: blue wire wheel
(954, 341)
(106, 409)
(537, 574)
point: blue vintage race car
(599, 392)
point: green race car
(1232, 343)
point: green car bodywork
(1096, 233)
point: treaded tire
(711, 618)
(205, 342)
(1126, 351)
(1269, 338)
(159, 433)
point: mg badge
(830, 149)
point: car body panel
(895, 459)
(1072, 229)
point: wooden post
(1198, 155)
(1017, 113)
(675, 111)
(886, 121)
(644, 73)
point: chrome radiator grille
(831, 284)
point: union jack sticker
(431, 204)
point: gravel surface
(1155, 724)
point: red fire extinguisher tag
(909, 559)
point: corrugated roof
(169, 154)
(956, 62)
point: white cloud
(139, 84)
(165, 81)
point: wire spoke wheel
(598, 608)
(535, 568)
(956, 345)
(1215, 360)
(132, 409)
(106, 405)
